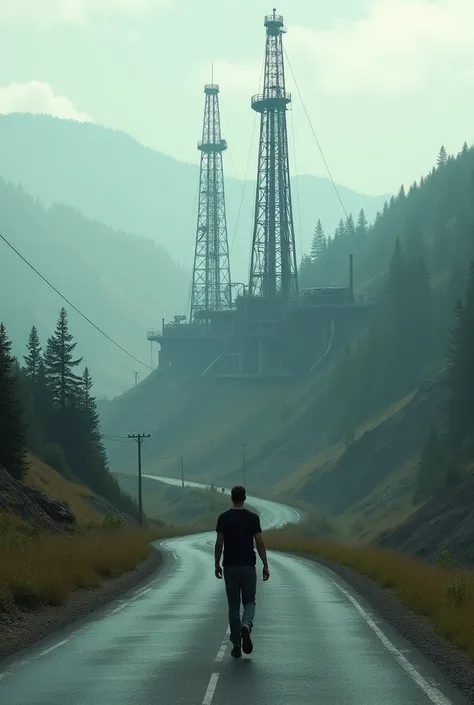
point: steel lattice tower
(211, 276)
(273, 271)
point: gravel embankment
(22, 629)
(451, 661)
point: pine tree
(60, 363)
(461, 368)
(349, 227)
(340, 230)
(33, 358)
(318, 245)
(12, 430)
(362, 224)
(442, 157)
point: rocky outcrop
(32, 505)
(444, 523)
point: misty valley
(236, 413)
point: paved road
(166, 644)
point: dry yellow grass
(43, 569)
(44, 478)
(443, 594)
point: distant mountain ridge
(123, 283)
(112, 178)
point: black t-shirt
(238, 526)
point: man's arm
(262, 552)
(218, 554)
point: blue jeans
(241, 586)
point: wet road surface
(316, 643)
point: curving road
(166, 644)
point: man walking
(236, 530)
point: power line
(71, 304)
(315, 137)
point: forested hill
(416, 259)
(110, 177)
(434, 219)
(124, 283)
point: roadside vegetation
(444, 593)
(41, 568)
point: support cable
(316, 138)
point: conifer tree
(33, 358)
(349, 227)
(442, 157)
(60, 363)
(318, 245)
(362, 226)
(461, 369)
(12, 430)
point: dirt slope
(444, 523)
(377, 457)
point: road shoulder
(451, 661)
(20, 630)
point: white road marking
(118, 609)
(221, 652)
(433, 693)
(140, 593)
(210, 689)
(52, 648)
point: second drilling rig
(269, 329)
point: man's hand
(266, 572)
(218, 572)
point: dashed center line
(221, 652)
(210, 689)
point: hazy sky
(384, 81)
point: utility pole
(139, 438)
(182, 470)
(244, 464)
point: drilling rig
(269, 330)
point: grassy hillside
(112, 178)
(78, 497)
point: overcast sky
(385, 82)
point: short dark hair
(238, 495)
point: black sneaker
(247, 646)
(236, 652)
